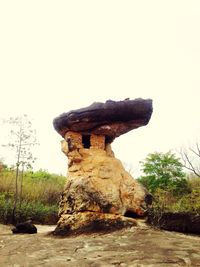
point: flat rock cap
(112, 118)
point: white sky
(61, 55)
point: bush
(165, 201)
(6, 206)
(36, 211)
(39, 199)
(190, 202)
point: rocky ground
(137, 246)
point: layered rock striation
(99, 194)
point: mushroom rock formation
(99, 194)
(110, 119)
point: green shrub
(190, 202)
(39, 199)
(6, 207)
(40, 175)
(165, 201)
(36, 211)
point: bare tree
(191, 158)
(23, 137)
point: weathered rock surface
(132, 247)
(110, 119)
(99, 189)
(99, 194)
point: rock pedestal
(99, 194)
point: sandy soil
(137, 246)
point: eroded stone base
(91, 222)
(99, 195)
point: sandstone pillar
(99, 194)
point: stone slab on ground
(137, 246)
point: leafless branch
(188, 162)
(191, 167)
(198, 148)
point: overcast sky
(61, 55)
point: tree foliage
(164, 171)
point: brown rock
(24, 228)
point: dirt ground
(138, 246)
